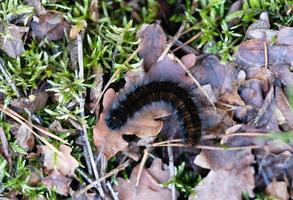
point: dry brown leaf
(57, 127)
(149, 184)
(65, 163)
(11, 39)
(189, 60)
(251, 54)
(285, 36)
(278, 189)
(34, 103)
(144, 123)
(225, 184)
(108, 141)
(56, 181)
(227, 160)
(25, 138)
(284, 106)
(51, 26)
(154, 41)
(168, 69)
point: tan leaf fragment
(64, 163)
(25, 138)
(278, 189)
(154, 41)
(56, 181)
(149, 184)
(225, 184)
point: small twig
(168, 141)
(112, 191)
(112, 172)
(228, 148)
(195, 81)
(143, 161)
(172, 41)
(14, 115)
(114, 77)
(171, 171)
(210, 137)
(86, 177)
(266, 54)
(196, 36)
(5, 111)
(81, 102)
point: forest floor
(145, 99)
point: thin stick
(143, 161)
(81, 102)
(210, 137)
(266, 54)
(29, 128)
(112, 172)
(112, 191)
(86, 177)
(228, 148)
(14, 115)
(171, 171)
(196, 36)
(170, 44)
(195, 81)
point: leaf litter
(252, 110)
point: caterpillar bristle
(167, 92)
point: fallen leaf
(278, 189)
(64, 163)
(146, 123)
(154, 41)
(273, 167)
(51, 26)
(25, 138)
(225, 184)
(11, 39)
(189, 60)
(108, 141)
(149, 184)
(56, 181)
(226, 160)
(57, 127)
(285, 36)
(284, 106)
(168, 69)
(251, 54)
(33, 103)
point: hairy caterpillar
(166, 93)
